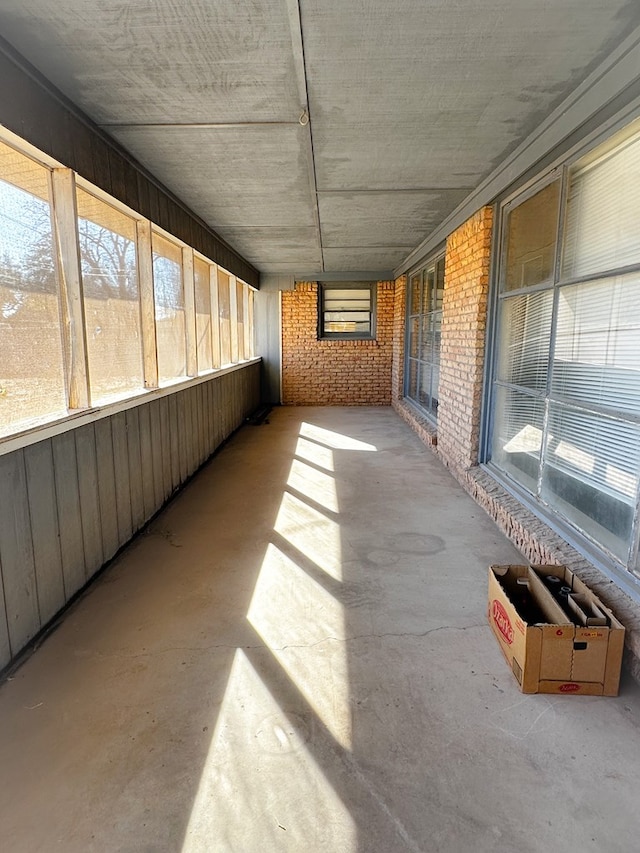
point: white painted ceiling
(410, 104)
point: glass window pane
(591, 466)
(524, 336)
(107, 240)
(597, 352)
(428, 339)
(203, 314)
(168, 291)
(414, 336)
(435, 382)
(412, 384)
(439, 285)
(425, 385)
(32, 386)
(517, 435)
(427, 292)
(224, 304)
(347, 316)
(415, 293)
(343, 298)
(346, 326)
(436, 325)
(346, 305)
(531, 239)
(602, 229)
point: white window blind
(597, 348)
(602, 229)
(525, 328)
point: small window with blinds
(346, 310)
(566, 391)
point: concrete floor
(294, 656)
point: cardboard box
(573, 648)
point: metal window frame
(431, 261)
(627, 574)
(372, 286)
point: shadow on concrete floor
(294, 656)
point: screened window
(346, 310)
(224, 305)
(32, 376)
(248, 328)
(107, 240)
(566, 422)
(168, 291)
(240, 318)
(424, 321)
(85, 318)
(202, 282)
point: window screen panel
(107, 240)
(531, 239)
(201, 278)
(224, 304)
(32, 386)
(525, 329)
(250, 336)
(602, 230)
(240, 317)
(597, 350)
(517, 435)
(168, 288)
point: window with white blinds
(602, 226)
(566, 396)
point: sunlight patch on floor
(303, 625)
(261, 788)
(315, 453)
(336, 440)
(313, 484)
(312, 533)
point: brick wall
(464, 315)
(399, 323)
(458, 429)
(333, 372)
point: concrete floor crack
(261, 646)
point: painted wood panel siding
(69, 503)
